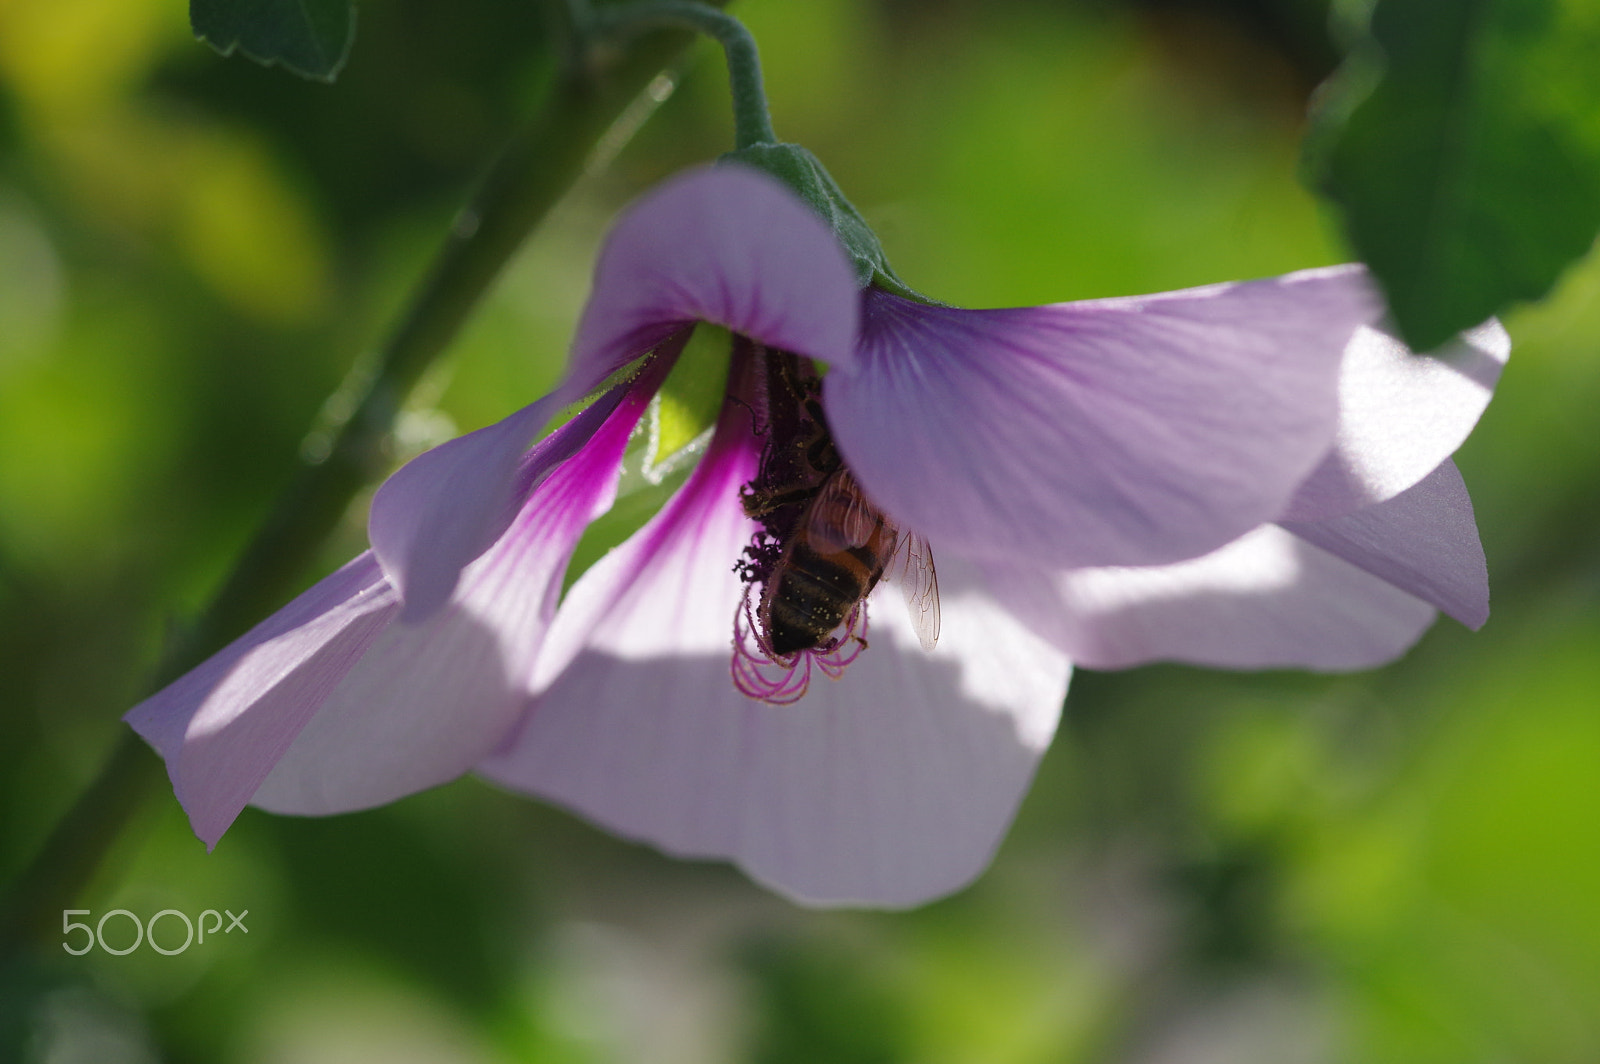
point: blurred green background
(1401, 865)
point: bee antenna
(756, 426)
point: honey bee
(822, 548)
(841, 548)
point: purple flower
(1245, 475)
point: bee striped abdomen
(812, 594)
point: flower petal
(1267, 600)
(1423, 541)
(429, 699)
(890, 786)
(1400, 415)
(728, 245)
(445, 507)
(1121, 431)
(221, 727)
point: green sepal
(804, 172)
(690, 398)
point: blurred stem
(752, 123)
(543, 160)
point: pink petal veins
(1129, 431)
(432, 697)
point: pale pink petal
(1122, 431)
(888, 787)
(430, 698)
(446, 506)
(1267, 600)
(1424, 541)
(728, 245)
(223, 726)
(1400, 415)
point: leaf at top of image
(1460, 146)
(308, 37)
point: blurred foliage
(1401, 865)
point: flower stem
(543, 160)
(752, 124)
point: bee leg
(758, 504)
(821, 455)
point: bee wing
(840, 516)
(914, 572)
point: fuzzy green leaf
(1461, 145)
(309, 37)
